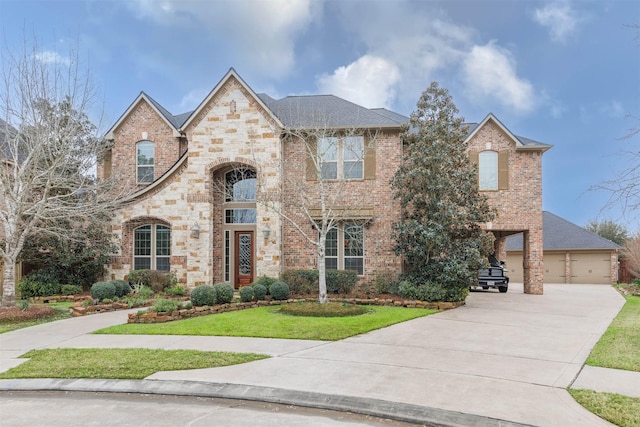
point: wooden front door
(244, 258)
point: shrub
(39, 284)
(24, 305)
(430, 292)
(246, 294)
(203, 295)
(407, 290)
(122, 288)
(265, 281)
(279, 290)
(155, 279)
(102, 290)
(71, 289)
(386, 282)
(224, 292)
(187, 305)
(259, 291)
(145, 292)
(341, 281)
(176, 290)
(301, 282)
(162, 305)
(106, 301)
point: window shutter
(370, 161)
(503, 170)
(475, 160)
(311, 148)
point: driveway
(500, 358)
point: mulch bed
(33, 312)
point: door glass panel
(244, 254)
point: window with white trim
(152, 247)
(145, 161)
(344, 248)
(341, 157)
(488, 170)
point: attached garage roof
(560, 234)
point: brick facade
(234, 128)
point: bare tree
(631, 252)
(49, 153)
(315, 186)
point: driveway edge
(364, 406)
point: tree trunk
(9, 283)
(322, 277)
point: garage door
(591, 268)
(514, 267)
(554, 267)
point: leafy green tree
(609, 230)
(439, 235)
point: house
(571, 254)
(177, 220)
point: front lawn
(619, 347)
(120, 363)
(268, 322)
(621, 410)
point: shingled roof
(328, 111)
(560, 234)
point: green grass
(621, 410)
(111, 363)
(267, 322)
(619, 347)
(62, 312)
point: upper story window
(344, 248)
(341, 158)
(488, 170)
(145, 161)
(152, 247)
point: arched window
(488, 170)
(145, 160)
(152, 247)
(240, 196)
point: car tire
(502, 289)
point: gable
(157, 109)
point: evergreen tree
(439, 234)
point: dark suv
(495, 276)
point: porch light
(195, 231)
(266, 231)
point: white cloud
(560, 19)
(490, 73)
(369, 82)
(262, 32)
(51, 57)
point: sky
(565, 73)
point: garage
(571, 254)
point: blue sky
(565, 73)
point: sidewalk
(501, 358)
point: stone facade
(233, 129)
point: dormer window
(145, 160)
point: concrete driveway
(502, 358)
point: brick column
(532, 263)
(500, 247)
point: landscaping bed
(160, 317)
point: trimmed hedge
(203, 295)
(103, 290)
(224, 292)
(265, 281)
(122, 288)
(279, 291)
(246, 294)
(259, 291)
(39, 284)
(341, 281)
(301, 282)
(71, 290)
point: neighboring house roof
(329, 111)
(522, 143)
(560, 234)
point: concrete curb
(357, 405)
